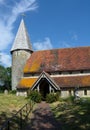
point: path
(43, 119)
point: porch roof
(26, 82)
(31, 82)
(48, 78)
(61, 81)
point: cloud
(22, 7)
(43, 45)
(64, 44)
(74, 37)
(71, 42)
(6, 36)
(5, 59)
(7, 19)
(9, 11)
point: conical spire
(21, 41)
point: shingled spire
(22, 41)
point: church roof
(61, 81)
(30, 82)
(59, 60)
(26, 82)
(73, 81)
(22, 39)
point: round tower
(21, 51)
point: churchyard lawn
(73, 116)
(9, 105)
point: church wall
(21, 92)
(64, 93)
(19, 59)
(82, 93)
(88, 92)
(67, 93)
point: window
(86, 71)
(65, 72)
(60, 72)
(70, 92)
(70, 72)
(81, 71)
(85, 92)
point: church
(48, 71)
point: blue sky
(50, 24)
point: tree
(2, 75)
(8, 77)
(5, 77)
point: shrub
(52, 97)
(13, 92)
(35, 96)
(61, 99)
(69, 99)
(57, 96)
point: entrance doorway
(44, 88)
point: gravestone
(5, 91)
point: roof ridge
(62, 48)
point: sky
(50, 23)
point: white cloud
(64, 44)
(11, 10)
(43, 45)
(74, 37)
(22, 7)
(6, 36)
(5, 59)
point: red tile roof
(59, 60)
(73, 81)
(62, 82)
(26, 82)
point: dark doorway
(44, 88)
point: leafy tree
(8, 78)
(2, 75)
(5, 77)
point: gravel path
(43, 119)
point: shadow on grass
(13, 121)
(73, 116)
(3, 118)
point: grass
(9, 105)
(73, 116)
